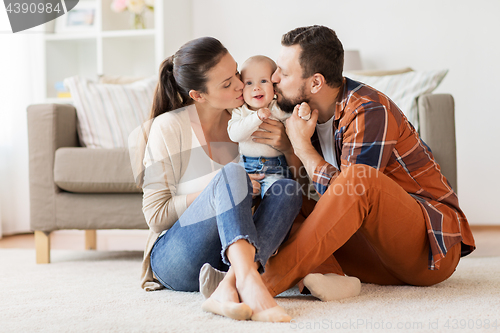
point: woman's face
(224, 87)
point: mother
(196, 202)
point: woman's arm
(161, 206)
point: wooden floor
(487, 240)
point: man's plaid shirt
(370, 129)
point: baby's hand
(304, 111)
(263, 113)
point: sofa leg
(90, 240)
(42, 247)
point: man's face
(289, 85)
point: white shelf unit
(111, 48)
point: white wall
(460, 35)
(19, 69)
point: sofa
(73, 187)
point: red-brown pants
(364, 225)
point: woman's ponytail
(185, 71)
(167, 95)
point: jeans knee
(235, 173)
(234, 167)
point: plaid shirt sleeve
(369, 134)
(323, 174)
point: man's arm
(296, 168)
(300, 132)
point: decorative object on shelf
(137, 8)
(81, 18)
(62, 91)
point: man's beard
(287, 104)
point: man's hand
(263, 114)
(274, 135)
(255, 184)
(300, 131)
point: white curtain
(19, 87)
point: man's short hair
(322, 52)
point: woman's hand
(255, 184)
(274, 135)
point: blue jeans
(218, 217)
(275, 168)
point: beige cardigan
(165, 160)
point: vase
(137, 21)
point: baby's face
(258, 90)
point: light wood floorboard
(487, 240)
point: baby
(258, 93)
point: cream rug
(92, 291)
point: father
(386, 214)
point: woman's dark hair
(184, 71)
(322, 52)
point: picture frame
(82, 18)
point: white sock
(209, 279)
(332, 287)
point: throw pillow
(404, 89)
(120, 79)
(382, 72)
(108, 113)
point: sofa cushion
(404, 89)
(85, 170)
(107, 113)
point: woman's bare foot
(226, 290)
(225, 300)
(253, 292)
(250, 287)
(209, 279)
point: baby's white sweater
(244, 122)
